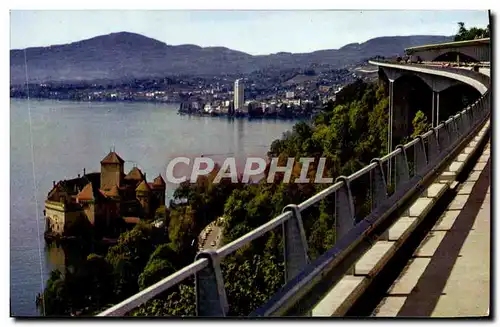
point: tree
(464, 34)
(55, 300)
(129, 257)
(182, 232)
(98, 274)
(251, 281)
(166, 251)
(462, 31)
(155, 270)
(162, 262)
(83, 291)
(179, 302)
(161, 213)
(420, 124)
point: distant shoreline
(179, 112)
(245, 116)
(100, 100)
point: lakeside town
(293, 93)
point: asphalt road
(213, 237)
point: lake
(70, 136)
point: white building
(208, 108)
(239, 94)
(290, 95)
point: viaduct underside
(436, 96)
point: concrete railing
(413, 165)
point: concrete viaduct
(463, 51)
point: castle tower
(86, 197)
(160, 187)
(135, 174)
(111, 171)
(143, 195)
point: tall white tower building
(239, 94)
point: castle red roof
(143, 187)
(112, 158)
(86, 194)
(132, 220)
(159, 181)
(135, 174)
(89, 193)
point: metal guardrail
(300, 295)
(413, 162)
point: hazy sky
(254, 32)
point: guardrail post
(434, 147)
(479, 107)
(477, 113)
(444, 137)
(211, 300)
(295, 250)
(483, 107)
(458, 126)
(487, 103)
(402, 169)
(420, 158)
(481, 113)
(378, 183)
(486, 106)
(452, 131)
(344, 208)
(461, 127)
(472, 116)
(455, 128)
(467, 119)
(344, 211)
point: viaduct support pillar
(435, 108)
(433, 105)
(391, 115)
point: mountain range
(125, 55)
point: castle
(106, 201)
